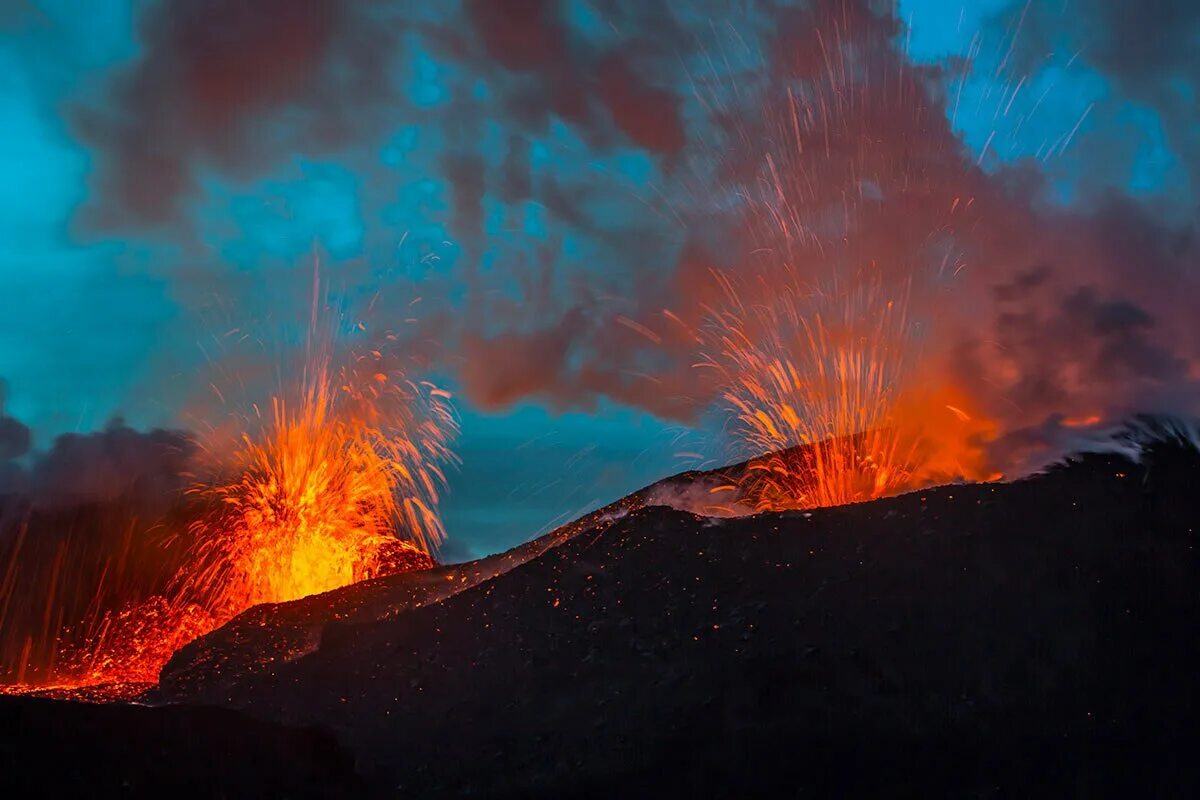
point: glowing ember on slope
(130, 646)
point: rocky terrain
(1032, 638)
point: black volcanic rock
(63, 749)
(1034, 638)
(969, 639)
(265, 637)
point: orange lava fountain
(338, 483)
(319, 500)
(831, 336)
(810, 387)
(829, 393)
(821, 394)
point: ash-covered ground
(1032, 638)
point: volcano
(1028, 638)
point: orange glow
(131, 646)
(318, 499)
(339, 482)
(822, 395)
(825, 385)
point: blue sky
(111, 318)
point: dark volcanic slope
(1036, 637)
(56, 749)
(266, 636)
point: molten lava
(339, 482)
(820, 392)
(318, 501)
(811, 387)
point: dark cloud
(522, 35)
(516, 182)
(502, 369)
(1089, 349)
(1150, 51)
(1120, 330)
(15, 436)
(106, 465)
(236, 88)
(465, 171)
(800, 135)
(560, 73)
(1023, 284)
(148, 469)
(210, 90)
(842, 157)
(648, 115)
(455, 551)
(1106, 317)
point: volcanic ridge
(1025, 638)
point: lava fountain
(809, 385)
(830, 337)
(341, 485)
(821, 393)
(338, 480)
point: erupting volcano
(337, 482)
(822, 396)
(826, 395)
(342, 486)
(519, 398)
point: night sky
(543, 176)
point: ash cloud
(15, 441)
(235, 88)
(104, 466)
(1150, 54)
(209, 92)
(147, 469)
(117, 463)
(622, 153)
(15, 437)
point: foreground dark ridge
(1028, 638)
(265, 637)
(54, 748)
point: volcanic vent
(337, 480)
